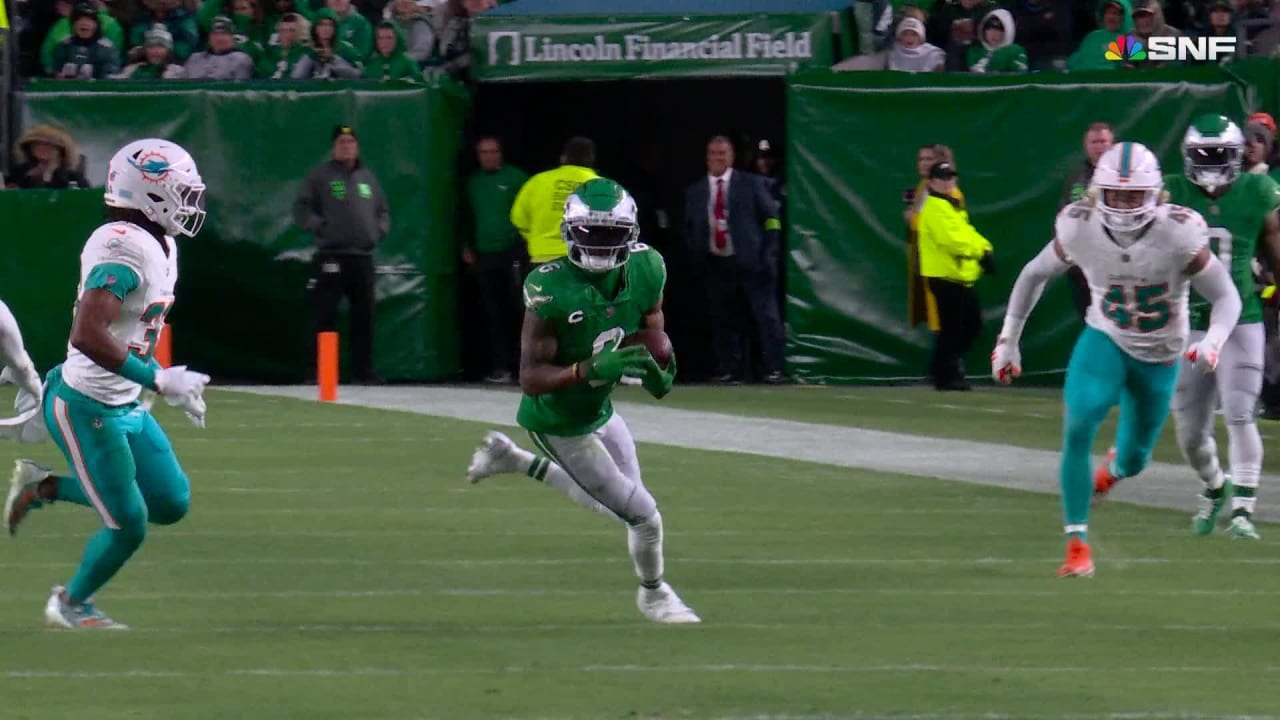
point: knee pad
(647, 531)
(132, 528)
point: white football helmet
(159, 178)
(1126, 166)
(599, 225)
(1213, 151)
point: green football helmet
(599, 225)
(1213, 150)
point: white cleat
(23, 494)
(493, 457)
(66, 616)
(662, 605)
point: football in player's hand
(657, 342)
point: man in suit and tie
(731, 225)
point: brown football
(656, 341)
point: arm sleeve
(302, 69)
(1213, 282)
(116, 278)
(1027, 290)
(304, 208)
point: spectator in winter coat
(246, 16)
(85, 54)
(1221, 24)
(157, 58)
(389, 61)
(327, 58)
(277, 9)
(326, 32)
(911, 53)
(955, 22)
(279, 60)
(352, 26)
(1148, 20)
(180, 24)
(61, 30)
(46, 157)
(1114, 18)
(414, 22)
(1045, 29)
(223, 60)
(997, 53)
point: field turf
(337, 565)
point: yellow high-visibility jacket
(949, 246)
(539, 209)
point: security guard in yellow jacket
(953, 255)
(539, 206)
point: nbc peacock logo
(1126, 48)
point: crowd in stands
(247, 39)
(982, 36)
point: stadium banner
(242, 310)
(508, 48)
(851, 154)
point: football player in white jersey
(16, 367)
(1140, 256)
(122, 465)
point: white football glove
(1006, 362)
(184, 388)
(27, 426)
(1204, 355)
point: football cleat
(493, 457)
(58, 613)
(1210, 505)
(24, 492)
(1242, 528)
(1079, 560)
(662, 605)
(1103, 480)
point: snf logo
(1165, 48)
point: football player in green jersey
(577, 311)
(1240, 209)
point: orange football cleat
(1079, 560)
(1103, 480)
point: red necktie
(721, 229)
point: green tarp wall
(242, 306)
(852, 142)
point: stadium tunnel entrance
(651, 136)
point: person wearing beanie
(85, 54)
(1259, 139)
(389, 60)
(224, 60)
(910, 52)
(342, 205)
(996, 52)
(1115, 17)
(61, 30)
(182, 27)
(157, 58)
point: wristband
(138, 370)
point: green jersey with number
(585, 322)
(1235, 222)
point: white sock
(1245, 451)
(549, 473)
(645, 543)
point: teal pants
(123, 467)
(1100, 376)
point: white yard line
(1161, 484)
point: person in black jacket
(343, 205)
(48, 158)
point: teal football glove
(656, 381)
(610, 365)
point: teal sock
(108, 550)
(69, 490)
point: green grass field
(336, 565)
